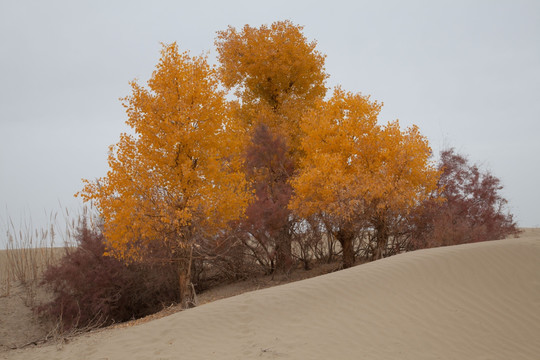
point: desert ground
(474, 301)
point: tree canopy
(179, 175)
(277, 74)
(357, 173)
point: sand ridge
(474, 301)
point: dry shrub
(268, 226)
(91, 289)
(472, 208)
(222, 259)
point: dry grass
(24, 267)
(28, 252)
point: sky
(466, 72)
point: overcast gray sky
(466, 72)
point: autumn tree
(468, 208)
(276, 72)
(358, 174)
(277, 75)
(176, 179)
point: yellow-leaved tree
(357, 174)
(278, 75)
(177, 178)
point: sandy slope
(476, 301)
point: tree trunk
(284, 252)
(330, 244)
(346, 238)
(184, 276)
(382, 239)
(184, 290)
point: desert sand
(474, 301)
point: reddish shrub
(268, 226)
(472, 208)
(93, 289)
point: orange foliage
(276, 72)
(178, 170)
(181, 176)
(277, 75)
(356, 172)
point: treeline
(250, 167)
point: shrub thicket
(469, 207)
(92, 289)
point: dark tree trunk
(184, 276)
(284, 252)
(184, 290)
(381, 235)
(346, 239)
(330, 244)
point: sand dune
(475, 301)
